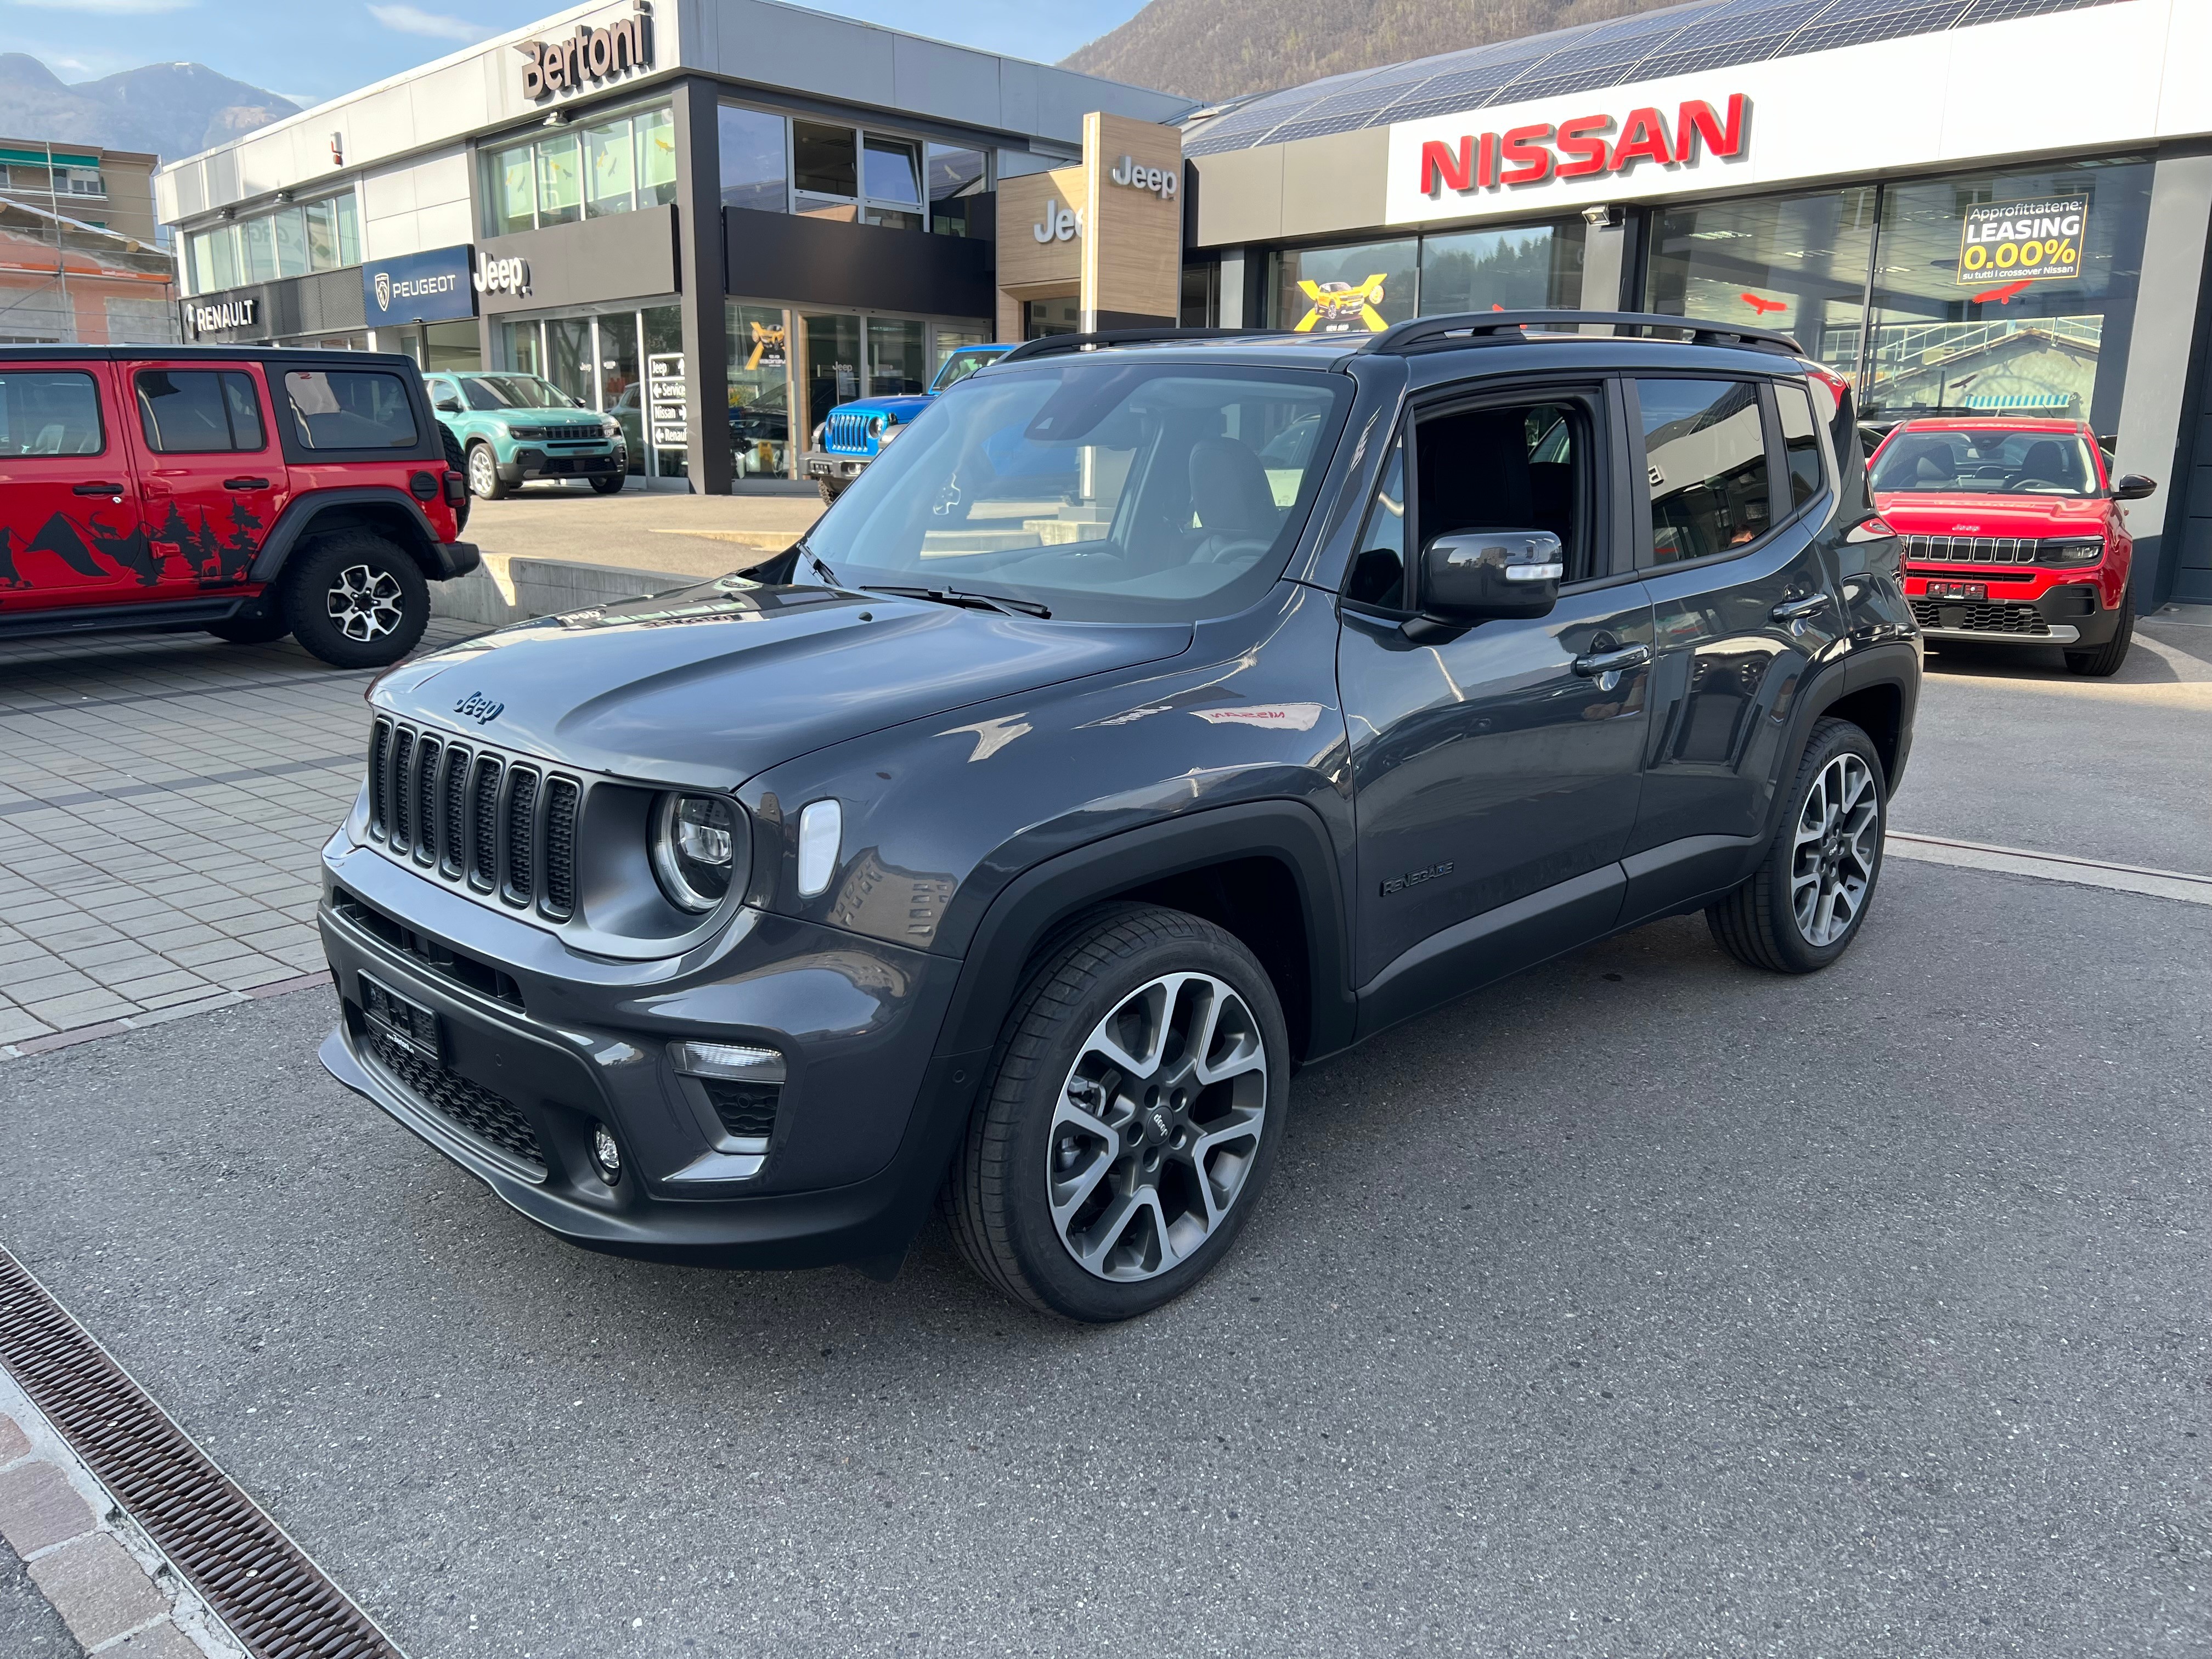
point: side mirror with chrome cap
(1472, 575)
(2133, 487)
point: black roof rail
(1487, 327)
(1114, 337)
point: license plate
(408, 1024)
(1957, 590)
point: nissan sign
(431, 287)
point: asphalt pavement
(1642, 1304)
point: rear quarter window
(350, 408)
(49, 413)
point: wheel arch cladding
(1262, 871)
(389, 512)
(1878, 710)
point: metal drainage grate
(256, 1581)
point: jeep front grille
(847, 434)
(499, 825)
(489, 1117)
(1996, 549)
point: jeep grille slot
(562, 799)
(453, 832)
(379, 744)
(428, 751)
(403, 752)
(484, 845)
(521, 834)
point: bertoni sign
(589, 54)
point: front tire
(829, 492)
(484, 482)
(609, 486)
(356, 600)
(1801, 907)
(2106, 660)
(1131, 1120)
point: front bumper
(1997, 611)
(867, 1121)
(539, 464)
(838, 468)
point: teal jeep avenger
(855, 433)
(514, 428)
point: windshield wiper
(827, 573)
(972, 601)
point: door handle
(114, 490)
(245, 484)
(1792, 611)
(1596, 663)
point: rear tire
(1801, 907)
(1130, 1120)
(484, 482)
(253, 630)
(609, 486)
(356, 600)
(2106, 660)
(829, 492)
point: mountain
(172, 109)
(1218, 49)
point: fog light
(606, 1154)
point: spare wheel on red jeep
(356, 600)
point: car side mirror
(448, 405)
(2133, 487)
(1472, 575)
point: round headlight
(698, 849)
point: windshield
(515, 392)
(1105, 489)
(961, 364)
(1981, 463)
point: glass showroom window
(756, 170)
(956, 176)
(1946, 337)
(1520, 268)
(292, 242)
(1793, 262)
(614, 166)
(840, 173)
(760, 391)
(947, 340)
(1362, 288)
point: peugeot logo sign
(383, 290)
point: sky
(310, 49)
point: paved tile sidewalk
(161, 798)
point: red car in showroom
(2013, 534)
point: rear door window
(47, 412)
(350, 408)
(1705, 451)
(199, 411)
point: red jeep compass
(2013, 534)
(252, 493)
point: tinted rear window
(49, 413)
(350, 408)
(199, 411)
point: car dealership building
(758, 211)
(1978, 205)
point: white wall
(418, 204)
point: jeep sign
(1161, 181)
(508, 275)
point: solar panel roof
(1704, 35)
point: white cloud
(411, 20)
(112, 7)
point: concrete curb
(116, 1592)
(509, 588)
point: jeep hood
(1914, 514)
(709, 684)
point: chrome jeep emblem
(480, 708)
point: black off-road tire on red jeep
(456, 461)
(2100, 661)
(1069, 1142)
(1827, 849)
(356, 600)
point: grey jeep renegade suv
(1161, 713)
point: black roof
(229, 354)
(1707, 34)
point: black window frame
(1781, 513)
(151, 434)
(1823, 485)
(98, 411)
(1606, 497)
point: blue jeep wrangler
(856, 432)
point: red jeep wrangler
(2013, 534)
(251, 492)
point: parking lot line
(2052, 867)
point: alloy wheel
(1157, 1126)
(1838, 838)
(482, 476)
(365, 604)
